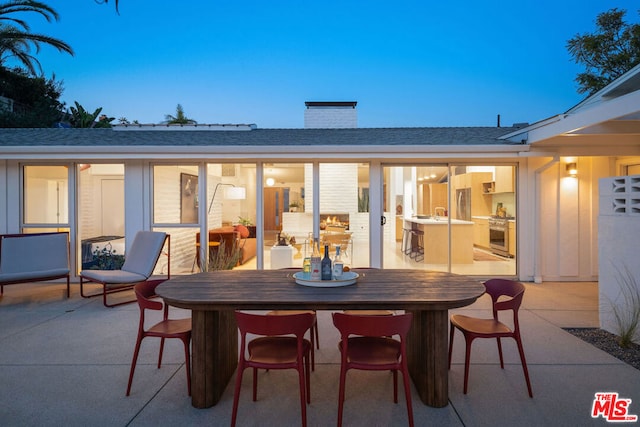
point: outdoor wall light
(572, 169)
(270, 182)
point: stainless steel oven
(499, 236)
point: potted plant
(294, 206)
(247, 222)
(105, 258)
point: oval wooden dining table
(214, 296)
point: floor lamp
(235, 193)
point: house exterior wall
(566, 219)
(568, 227)
(619, 245)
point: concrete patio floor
(66, 362)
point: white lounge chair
(138, 266)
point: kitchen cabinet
(504, 179)
(438, 196)
(436, 238)
(462, 180)
(512, 238)
(399, 224)
(480, 204)
(430, 197)
(481, 232)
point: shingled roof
(256, 137)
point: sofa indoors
(231, 235)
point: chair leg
(236, 393)
(451, 332)
(467, 357)
(255, 384)
(187, 358)
(307, 378)
(133, 363)
(303, 403)
(314, 337)
(343, 377)
(407, 392)
(395, 386)
(161, 351)
(500, 352)
(524, 365)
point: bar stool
(406, 241)
(417, 245)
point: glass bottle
(338, 265)
(306, 267)
(316, 261)
(326, 265)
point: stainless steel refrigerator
(463, 204)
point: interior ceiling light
(270, 182)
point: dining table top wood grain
(255, 289)
(214, 296)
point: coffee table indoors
(214, 296)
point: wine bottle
(326, 265)
(338, 265)
(316, 262)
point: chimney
(330, 115)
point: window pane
(288, 212)
(46, 196)
(417, 200)
(344, 211)
(451, 209)
(175, 194)
(231, 203)
(100, 212)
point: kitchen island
(436, 238)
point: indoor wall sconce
(572, 169)
(233, 193)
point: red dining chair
(313, 330)
(372, 348)
(166, 328)
(473, 328)
(275, 348)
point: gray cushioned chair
(34, 257)
(138, 266)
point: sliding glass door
(451, 217)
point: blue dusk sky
(406, 63)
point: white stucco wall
(619, 246)
(566, 218)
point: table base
(213, 365)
